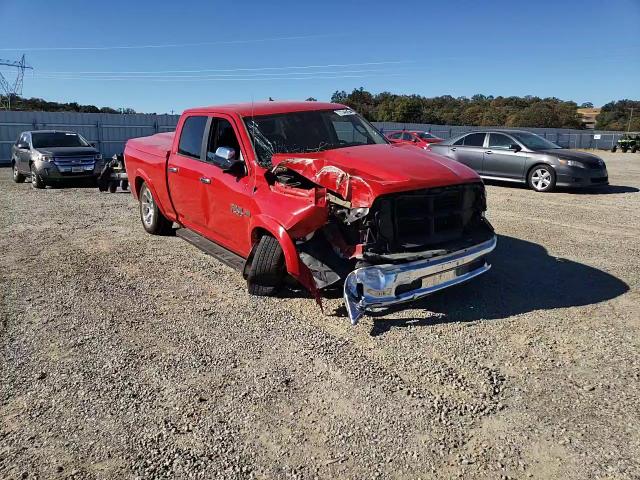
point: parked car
(417, 138)
(520, 156)
(312, 191)
(48, 156)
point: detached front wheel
(542, 178)
(267, 268)
(153, 221)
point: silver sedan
(520, 156)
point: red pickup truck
(312, 191)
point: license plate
(77, 169)
(439, 278)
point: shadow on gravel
(595, 190)
(523, 278)
(609, 189)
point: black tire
(634, 149)
(17, 176)
(124, 184)
(267, 268)
(36, 180)
(614, 148)
(153, 221)
(624, 149)
(113, 186)
(540, 181)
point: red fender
(295, 267)
(169, 213)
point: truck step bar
(216, 251)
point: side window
(222, 134)
(191, 136)
(498, 140)
(407, 136)
(395, 136)
(474, 140)
(460, 141)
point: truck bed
(158, 144)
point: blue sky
(582, 50)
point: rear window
(191, 136)
(57, 139)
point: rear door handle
(205, 180)
(173, 169)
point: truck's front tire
(153, 221)
(267, 268)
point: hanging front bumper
(380, 286)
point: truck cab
(313, 191)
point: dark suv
(48, 156)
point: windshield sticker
(344, 112)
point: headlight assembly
(571, 163)
(43, 158)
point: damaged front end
(390, 248)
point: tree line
(39, 104)
(482, 110)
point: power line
(170, 45)
(294, 67)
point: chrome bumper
(375, 287)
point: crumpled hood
(360, 174)
(584, 157)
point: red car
(417, 138)
(313, 191)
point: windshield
(426, 136)
(304, 132)
(533, 141)
(57, 139)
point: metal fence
(108, 131)
(565, 137)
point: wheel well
(137, 185)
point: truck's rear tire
(267, 268)
(153, 221)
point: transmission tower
(10, 89)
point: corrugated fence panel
(108, 131)
(111, 131)
(565, 137)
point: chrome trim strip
(374, 287)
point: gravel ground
(126, 355)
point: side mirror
(225, 153)
(93, 144)
(23, 146)
(226, 158)
(415, 140)
(515, 147)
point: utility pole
(15, 88)
(630, 117)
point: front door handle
(173, 169)
(453, 149)
(488, 152)
(205, 180)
